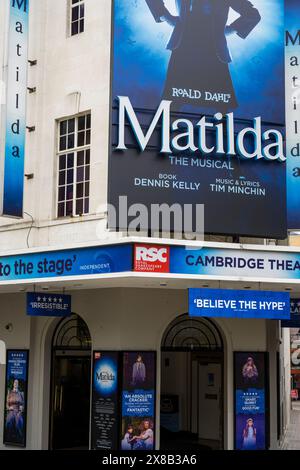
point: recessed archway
(70, 385)
(192, 385)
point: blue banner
(48, 305)
(294, 322)
(16, 398)
(74, 262)
(239, 304)
(16, 109)
(292, 84)
(219, 262)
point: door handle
(61, 398)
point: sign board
(239, 304)
(105, 399)
(15, 132)
(48, 305)
(251, 401)
(16, 385)
(292, 61)
(198, 113)
(294, 322)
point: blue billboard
(294, 322)
(292, 60)
(64, 263)
(198, 111)
(239, 304)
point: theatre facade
(146, 272)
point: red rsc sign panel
(152, 258)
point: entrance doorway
(70, 385)
(192, 399)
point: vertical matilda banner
(198, 113)
(292, 43)
(251, 410)
(16, 398)
(15, 132)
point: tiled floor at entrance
(292, 438)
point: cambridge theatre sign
(198, 113)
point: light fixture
(288, 288)
(163, 284)
(45, 288)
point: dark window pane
(75, 13)
(87, 157)
(70, 176)
(74, 29)
(69, 208)
(79, 190)
(71, 141)
(80, 158)
(88, 121)
(80, 142)
(71, 160)
(61, 210)
(71, 126)
(87, 189)
(88, 138)
(81, 15)
(69, 192)
(75, 1)
(63, 128)
(79, 207)
(61, 194)
(86, 206)
(63, 143)
(87, 173)
(62, 178)
(80, 174)
(81, 29)
(81, 123)
(62, 162)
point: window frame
(71, 7)
(74, 150)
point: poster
(251, 398)
(104, 418)
(138, 401)
(198, 111)
(16, 384)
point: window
(74, 166)
(77, 17)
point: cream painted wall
(117, 319)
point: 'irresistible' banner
(15, 133)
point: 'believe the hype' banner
(15, 132)
(292, 42)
